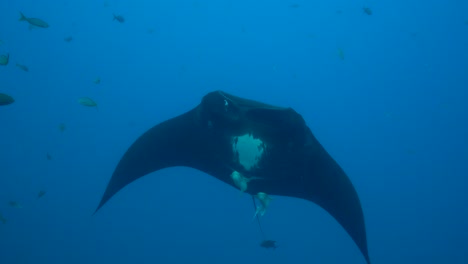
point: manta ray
(250, 145)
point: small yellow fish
(4, 59)
(86, 101)
(22, 67)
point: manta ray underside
(270, 147)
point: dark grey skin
(293, 163)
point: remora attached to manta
(271, 146)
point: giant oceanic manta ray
(270, 147)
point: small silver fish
(119, 18)
(15, 204)
(240, 181)
(41, 194)
(34, 22)
(265, 200)
(367, 11)
(22, 67)
(341, 54)
(4, 59)
(269, 244)
(2, 219)
(5, 99)
(62, 127)
(86, 101)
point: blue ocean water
(384, 93)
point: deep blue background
(393, 113)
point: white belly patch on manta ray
(248, 151)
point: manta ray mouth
(248, 151)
